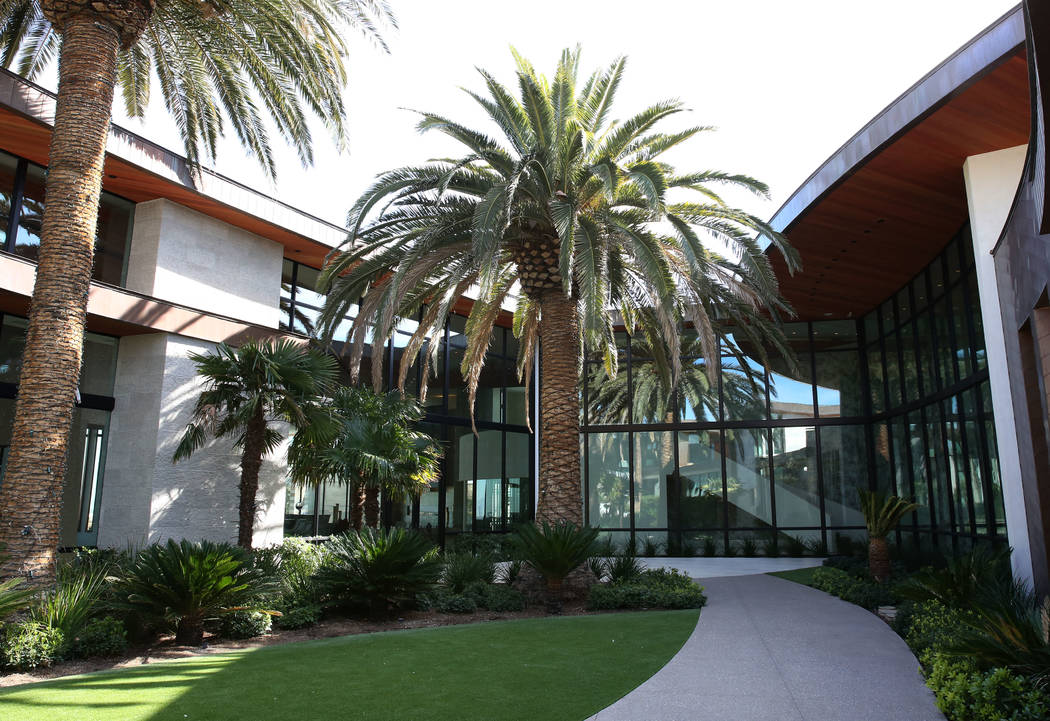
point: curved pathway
(767, 649)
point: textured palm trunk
(31, 494)
(559, 473)
(357, 506)
(251, 462)
(190, 631)
(372, 507)
(879, 559)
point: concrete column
(992, 180)
(148, 499)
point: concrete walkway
(767, 649)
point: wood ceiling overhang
(30, 138)
(873, 223)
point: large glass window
(609, 480)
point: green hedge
(655, 588)
(861, 591)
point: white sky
(786, 82)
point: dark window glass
(893, 370)
(876, 376)
(978, 323)
(917, 446)
(113, 238)
(488, 489)
(791, 379)
(834, 335)
(27, 237)
(8, 166)
(459, 486)
(844, 460)
(519, 490)
(840, 390)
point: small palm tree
(555, 551)
(881, 515)
(572, 219)
(374, 447)
(220, 64)
(246, 391)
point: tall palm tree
(569, 218)
(217, 62)
(374, 448)
(247, 390)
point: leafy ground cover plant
(73, 599)
(964, 693)
(32, 645)
(378, 571)
(555, 551)
(244, 624)
(183, 584)
(964, 579)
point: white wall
(991, 184)
(147, 498)
(185, 257)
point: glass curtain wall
(898, 400)
(22, 210)
(486, 480)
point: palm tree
(246, 391)
(881, 515)
(374, 447)
(569, 220)
(217, 62)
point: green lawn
(798, 575)
(548, 668)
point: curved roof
(882, 207)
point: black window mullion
(17, 195)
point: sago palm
(373, 447)
(569, 219)
(219, 63)
(247, 390)
(881, 515)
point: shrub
(183, 584)
(101, 637)
(599, 567)
(771, 548)
(244, 624)
(795, 547)
(493, 545)
(656, 588)
(863, 592)
(688, 549)
(464, 568)
(501, 598)
(966, 694)
(817, 546)
(13, 597)
(73, 600)
(651, 547)
(379, 571)
(623, 569)
(749, 547)
(293, 564)
(554, 552)
(454, 603)
(33, 645)
(298, 616)
(963, 579)
(710, 547)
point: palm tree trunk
(251, 462)
(31, 494)
(879, 559)
(372, 506)
(357, 506)
(559, 473)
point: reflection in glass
(700, 481)
(608, 480)
(795, 476)
(30, 220)
(8, 166)
(791, 378)
(653, 463)
(519, 493)
(743, 384)
(459, 486)
(747, 478)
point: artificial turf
(798, 575)
(548, 668)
